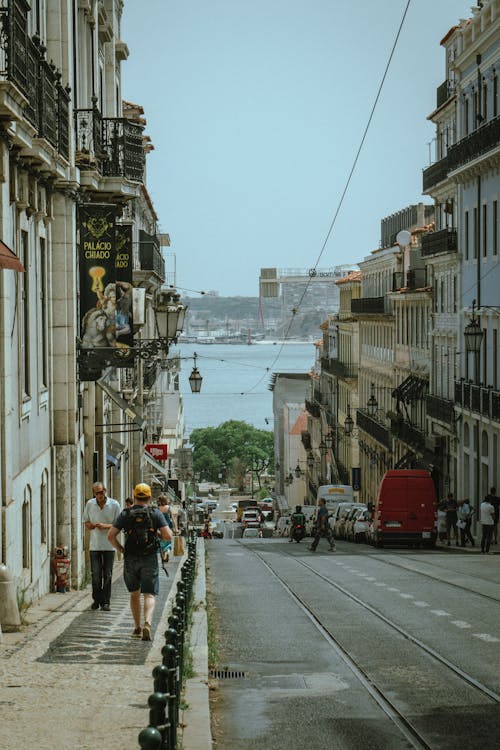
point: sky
(257, 108)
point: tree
(228, 446)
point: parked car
(339, 514)
(340, 522)
(251, 533)
(350, 521)
(360, 525)
(405, 510)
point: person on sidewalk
(487, 520)
(464, 514)
(322, 527)
(182, 519)
(495, 501)
(164, 507)
(141, 525)
(99, 515)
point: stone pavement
(74, 678)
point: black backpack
(142, 538)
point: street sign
(159, 451)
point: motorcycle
(298, 532)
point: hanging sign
(124, 288)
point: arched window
(26, 528)
(44, 507)
(484, 444)
(466, 436)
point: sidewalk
(74, 678)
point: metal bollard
(176, 624)
(157, 716)
(160, 676)
(169, 661)
(150, 739)
(180, 600)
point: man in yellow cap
(141, 525)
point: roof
(353, 276)
(300, 424)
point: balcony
(369, 305)
(340, 369)
(150, 257)
(476, 144)
(444, 92)
(407, 433)
(313, 409)
(477, 398)
(39, 81)
(305, 438)
(435, 174)
(373, 428)
(111, 145)
(416, 278)
(440, 408)
(442, 241)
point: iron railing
(444, 92)
(435, 174)
(442, 241)
(338, 368)
(477, 143)
(477, 398)
(415, 278)
(407, 433)
(24, 64)
(88, 142)
(370, 425)
(123, 149)
(440, 408)
(368, 305)
(151, 259)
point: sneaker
(146, 632)
(94, 605)
(106, 608)
(136, 633)
(332, 549)
(312, 549)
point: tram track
(404, 725)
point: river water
(236, 380)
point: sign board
(159, 451)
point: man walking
(322, 527)
(486, 519)
(141, 525)
(99, 515)
(494, 500)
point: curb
(197, 733)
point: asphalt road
(361, 648)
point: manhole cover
(226, 674)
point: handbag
(178, 546)
(461, 524)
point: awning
(133, 414)
(411, 389)
(114, 453)
(8, 259)
(155, 464)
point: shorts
(165, 546)
(142, 573)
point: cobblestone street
(74, 677)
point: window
(495, 96)
(485, 228)
(26, 528)
(43, 509)
(466, 117)
(495, 227)
(484, 379)
(466, 235)
(441, 295)
(24, 327)
(43, 316)
(475, 228)
(495, 358)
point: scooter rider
(297, 519)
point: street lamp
(195, 378)
(348, 422)
(372, 404)
(169, 315)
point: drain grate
(226, 674)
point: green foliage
(232, 446)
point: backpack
(142, 538)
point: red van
(406, 509)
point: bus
(334, 494)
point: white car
(360, 526)
(251, 533)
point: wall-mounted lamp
(473, 333)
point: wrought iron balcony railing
(123, 152)
(442, 241)
(88, 137)
(415, 278)
(407, 433)
(313, 409)
(151, 259)
(477, 398)
(477, 143)
(435, 174)
(444, 92)
(25, 66)
(369, 305)
(372, 427)
(440, 408)
(340, 369)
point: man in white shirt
(487, 520)
(99, 515)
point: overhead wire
(344, 192)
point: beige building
(68, 142)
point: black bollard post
(176, 624)
(180, 601)
(160, 676)
(150, 739)
(169, 660)
(157, 716)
